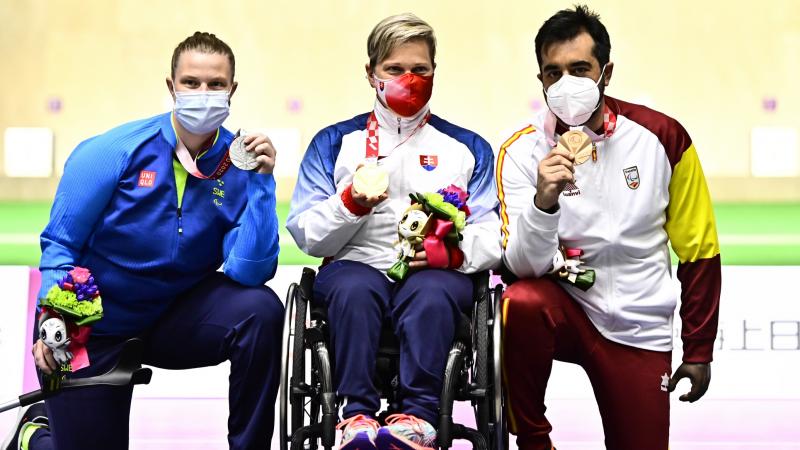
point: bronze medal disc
(578, 143)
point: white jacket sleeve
(481, 242)
(318, 220)
(530, 236)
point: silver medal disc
(240, 157)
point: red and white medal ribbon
(371, 179)
(609, 125)
(373, 141)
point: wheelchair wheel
(307, 400)
(323, 405)
(498, 416)
(487, 374)
(300, 407)
(453, 378)
(295, 410)
(481, 370)
(287, 342)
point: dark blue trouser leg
(81, 418)
(357, 297)
(223, 320)
(425, 311)
(217, 320)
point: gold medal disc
(371, 180)
(578, 143)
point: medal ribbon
(609, 126)
(373, 142)
(190, 164)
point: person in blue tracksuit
(153, 229)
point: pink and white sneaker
(359, 433)
(406, 432)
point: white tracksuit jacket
(645, 188)
(436, 155)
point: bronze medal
(578, 143)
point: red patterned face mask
(407, 94)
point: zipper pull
(594, 152)
(398, 126)
(180, 221)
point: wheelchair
(308, 403)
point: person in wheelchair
(352, 220)
(143, 221)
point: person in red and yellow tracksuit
(586, 229)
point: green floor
(750, 233)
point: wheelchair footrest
(473, 436)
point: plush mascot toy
(67, 312)
(568, 267)
(435, 220)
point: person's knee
(259, 309)
(349, 285)
(530, 297)
(432, 310)
(440, 284)
(266, 306)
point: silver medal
(240, 157)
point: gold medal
(578, 143)
(371, 180)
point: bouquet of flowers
(435, 220)
(67, 312)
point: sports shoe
(359, 433)
(29, 419)
(406, 432)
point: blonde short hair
(397, 30)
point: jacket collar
(398, 125)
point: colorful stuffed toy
(435, 220)
(67, 312)
(567, 267)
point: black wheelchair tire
(483, 363)
(299, 359)
(498, 412)
(287, 343)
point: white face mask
(201, 112)
(574, 99)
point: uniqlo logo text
(147, 178)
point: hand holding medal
(252, 151)
(555, 171)
(370, 185)
(578, 144)
(370, 180)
